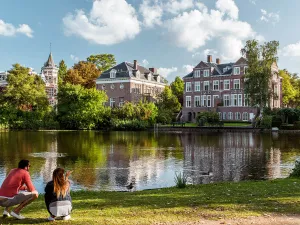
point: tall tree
(288, 91)
(177, 88)
(62, 72)
(102, 61)
(83, 73)
(80, 108)
(260, 60)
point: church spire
(50, 61)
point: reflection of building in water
(273, 163)
(51, 160)
(224, 157)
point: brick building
(127, 82)
(220, 88)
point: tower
(49, 74)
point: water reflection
(110, 160)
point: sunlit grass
(211, 201)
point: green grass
(172, 205)
(237, 124)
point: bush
(180, 180)
(297, 125)
(207, 117)
(266, 122)
(276, 121)
(128, 124)
(296, 171)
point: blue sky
(172, 35)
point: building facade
(220, 88)
(49, 74)
(129, 82)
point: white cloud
(7, 29)
(165, 72)
(176, 6)
(145, 63)
(229, 7)
(192, 30)
(269, 17)
(253, 2)
(187, 68)
(152, 14)
(109, 22)
(74, 58)
(291, 50)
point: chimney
(209, 58)
(135, 65)
(218, 61)
(153, 70)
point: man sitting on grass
(17, 189)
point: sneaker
(50, 218)
(17, 216)
(6, 214)
(66, 217)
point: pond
(110, 160)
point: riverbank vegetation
(177, 206)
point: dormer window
(158, 79)
(197, 73)
(113, 73)
(206, 73)
(236, 71)
(138, 74)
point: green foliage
(207, 117)
(80, 108)
(289, 115)
(266, 122)
(296, 171)
(260, 60)
(276, 121)
(177, 88)
(62, 72)
(102, 61)
(133, 125)
(289, 92)
(180, 180)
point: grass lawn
(172, 205)
(237, 124)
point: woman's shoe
(66, 217)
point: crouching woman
(57, 196)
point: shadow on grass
(25, 221)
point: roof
(126, 70)
(218, 69)
(50, 61)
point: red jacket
(14, 182)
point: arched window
(237, 116)
(113, 73)
(245, 116)
(220, 115)
(224, 115)
(230, 116)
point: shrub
(296, 171)
(297, 125)
(266, 122)
(207, 117)
(276, 121)
(180, 180)
(128, 124)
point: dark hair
(23, 163)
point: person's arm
(28, 183)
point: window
(234, 100)
(245, 69)
(206, 73)
(245, 116)
(208, 100)
(197, 73)
(224, 115)
(236, 83)
(226, 100)
(112, 86)
(226, 84)
(188, 101)
(230, 116)
(112, 73)
(203, 100)
(112, 102)
(188, 86)
(236, 71)
(214, 100)
(197, 86)
(246, 100)
(121, 86)
(121, 101)
(237, 116)
(197, 101)
(216, 85)
(206, 85)
(240, 102)
(220, 115)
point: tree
(260, 60)
(62, 72)
(288, 91)
(102, 61)
(83, 73)
(80, 108)
(177, 88)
